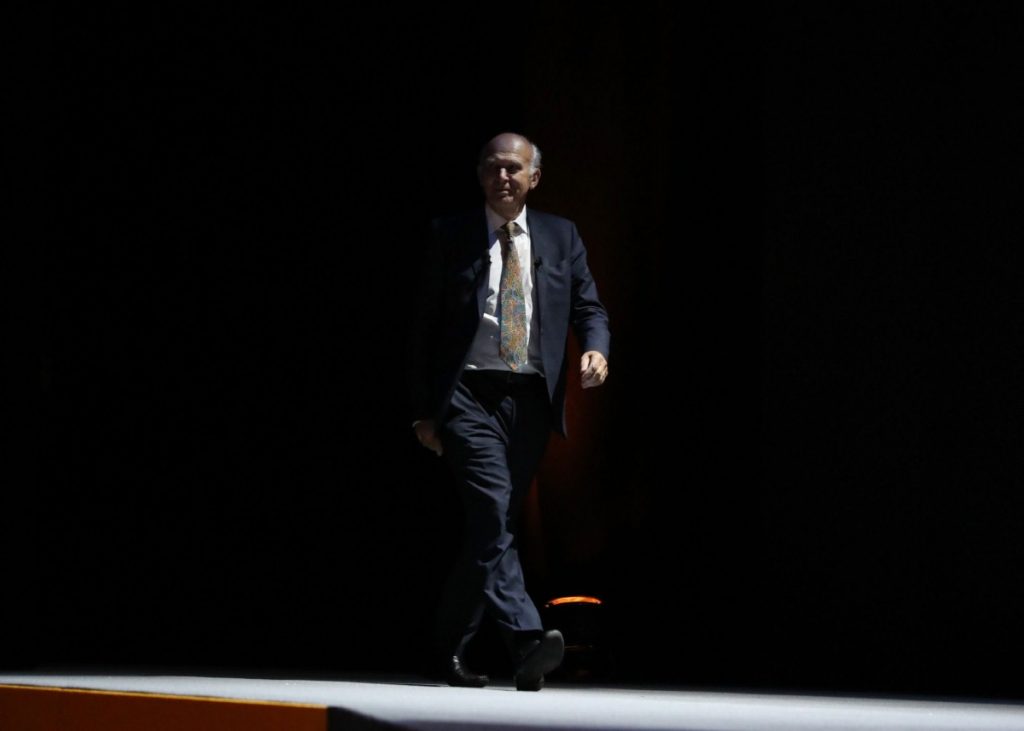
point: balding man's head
(509, 169)
(509, 141)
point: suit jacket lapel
(480, 239)
(541, 253)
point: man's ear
(534, 179)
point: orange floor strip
(33, 708)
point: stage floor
(410, 703)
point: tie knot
(509, 230)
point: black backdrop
(804, 471)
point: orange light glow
(573, 600)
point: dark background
(804, 471)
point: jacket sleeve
(587, 316)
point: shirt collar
(495, 221)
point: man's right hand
(426, 432)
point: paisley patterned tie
(512, 302)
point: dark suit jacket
(452, 296)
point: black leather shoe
(538, 657)
(457, 674)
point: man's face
(505, 175)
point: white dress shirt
(483, 354)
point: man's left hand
(593, 369)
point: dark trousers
(494, 438)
